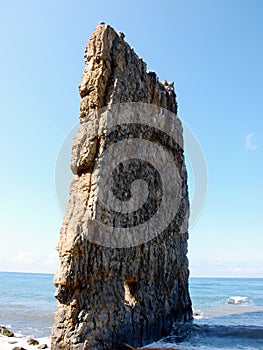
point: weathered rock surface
(32, 341)
(110, 296)
(6, 332)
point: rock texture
(110, 296)
(6, 332)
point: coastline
(20, 341)
(227, 313)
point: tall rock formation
(112, 293)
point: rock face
(110, 295)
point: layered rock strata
(110, 295)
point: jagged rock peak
(114, 73)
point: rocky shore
(14, 341)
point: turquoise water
(229, 315)
(229, 312)
(27, 303)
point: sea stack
(115, 291)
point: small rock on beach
(32, 341)
(6, 332)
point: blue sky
(212, 50)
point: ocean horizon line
(191, 277)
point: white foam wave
(198, 314)
(237, 300)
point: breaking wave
(238, 300)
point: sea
(228, 311)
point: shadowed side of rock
(110, 296)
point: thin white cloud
(26, 261)
(52, 259)
(249, 145)
(24, 258)
(2, 256)
(226, 269)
